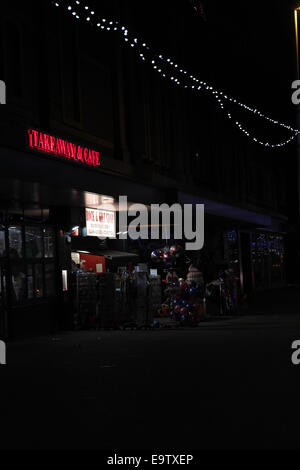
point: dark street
(149, 229)
(226, 384)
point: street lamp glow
(297, 38)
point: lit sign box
(100, 223)
(62, 148)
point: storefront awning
(118, 255)
(234, 212)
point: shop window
(231, 250)
(97, 99)
(39, 280)
(2, 241)
(15, 242)
(18, 282)
(276, 246)
(32, 215)
(29, 282)
(268, 259)
(50, 279)
(13, 60)
(49, 242)
(70, 75)
(45, 215)
(31, 249)
(232, 257)
(2, 295)
(35, 280)
(33, 242)
(260, 259)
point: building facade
(156, 143)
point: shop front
(58, 228)
(28, 266)
(257, 257)
(244, 253)
(64, 265)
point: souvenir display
(184, 301)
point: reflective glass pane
(15, 242)
(18, 283)
(2, 286)
(39, 282)
(32, 214)
(49, 242)
(2, 242)
(33, 242)
(50, 279)
(30, 282)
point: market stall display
(106, 301)
(154, 297)
(184, 302)
(222, 294)
(84, 285)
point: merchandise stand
(86, 300)
(107, 301)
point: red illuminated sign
(62, 148)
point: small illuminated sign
(100, 223)
(62, 148)
(64, 275)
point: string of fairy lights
(167, 68)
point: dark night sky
(255, 41)
(244, 48)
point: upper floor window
(2, 240)
(70, 74)
(13, 60)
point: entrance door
(3, 302)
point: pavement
(227, 384)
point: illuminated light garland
(245, 132)
(158, 62)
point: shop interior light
(107, 199)
(64, 280)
